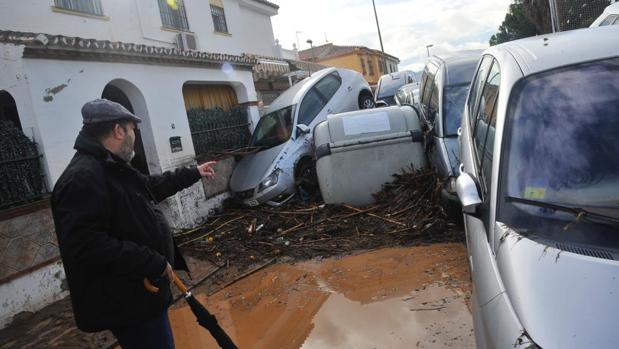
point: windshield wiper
(579, 212)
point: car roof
(544, 52)
(460, 65)
(612, 9)
(294, 93)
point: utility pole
(380, 38)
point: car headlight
(450, 185)
(269, 181)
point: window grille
(219, 19)
(92, 7)
(173, 14)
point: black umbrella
(205, 319)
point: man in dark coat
(111, 233)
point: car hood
(250, 171)
(563, 299)
(453, 154)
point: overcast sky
(407, 26)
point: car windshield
(273, 129)
(561, 148)
(453, 106)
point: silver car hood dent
(563, 300)
(252, 169)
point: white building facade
(50, 71)
(55, 55)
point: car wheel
(366, 101)
(306, 176)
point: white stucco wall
(32, 292)
(50, 94)
(139, 21)
(59, 119)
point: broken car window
(273, 129)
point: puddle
(443, 321)
(389, 298)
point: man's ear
(118, 132)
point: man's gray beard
(126, 152)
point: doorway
(115, 94)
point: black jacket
(111, 235)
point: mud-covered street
(412, 297)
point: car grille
(244, 194)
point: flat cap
(103, 110)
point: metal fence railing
(173, 14)
(92, 7)
(20, 168)
(575, 14)
(215, 130)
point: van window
(434, 96)
(483, 136)
(430, 71)
(476, 86)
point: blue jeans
(152, 334)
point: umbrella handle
(154, 289)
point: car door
(478, 158)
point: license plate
(252, 202)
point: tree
(538, 12)
(532, 17)
(516, 25)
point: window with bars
(219, 19)
(173, 14)
(91, 7)
(363, 65)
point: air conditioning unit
(186, 42)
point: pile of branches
(407, 212)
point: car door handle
(329, 111)
(349, 88)
(459, 131)
(461, 168)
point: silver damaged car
(539, 186)
(284, 136)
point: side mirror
(380, 104)
(467, 193)
(302, 129)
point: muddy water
(389, 298)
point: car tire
(366, 101)
(306, 177)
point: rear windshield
(453, 106)
(562, 147)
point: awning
(270, 68)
